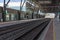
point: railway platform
(33, 29)
(57, 29)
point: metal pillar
(32, 15)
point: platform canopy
(49, 5)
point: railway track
(33, 34)
(23, 30)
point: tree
(22, 2)
(4, 10)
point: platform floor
(48, 33)
(56, 31)
(57, 28)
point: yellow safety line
(54, 33)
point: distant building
(11, 14)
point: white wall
(49, 15)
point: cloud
(12, 4)
(1, 4)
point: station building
(11, 14)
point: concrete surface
(57, 28)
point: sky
(16, 2)
(13, 4)
(11, 0)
